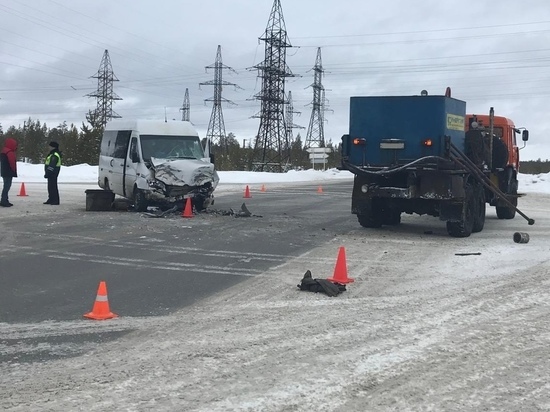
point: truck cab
(505, 130)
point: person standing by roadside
(52, 167)
(8, 169)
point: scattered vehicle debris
(320, 285)
(521, 237)
(176, 210)
(161, 213)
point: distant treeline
(82, 145)
(534, 167)
(77, 146)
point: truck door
(132, 164)
(118, 162)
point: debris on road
(320, 285)
(521, 237)
(468, 254)
(160, 213)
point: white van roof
(154, 127)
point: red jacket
(8, 159)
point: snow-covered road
(421, 328)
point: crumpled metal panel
(184, 172)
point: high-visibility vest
(58, 164)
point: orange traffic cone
(262, 189)
(341, 269)
(188, 209)
(22, 192)
(247, 193)
(319, 189)
(101, 309)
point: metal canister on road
(521, 237)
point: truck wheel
(140, 202)
(391, 218)
(479, 213)
(463, 228)
(504, 212)
(371, 216)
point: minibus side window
(121, 145)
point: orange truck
(502, 165)
(424, 155)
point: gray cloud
(490, 55)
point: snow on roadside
(420, 329)
(84, 173)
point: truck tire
(391, 218)
(505, 212)
(480, 209)
(463, 228)
(140, 202)
(371, 216)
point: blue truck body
(415, 154)
(387, 123)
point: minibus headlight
(157, 184)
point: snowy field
(88, 174)
(422, 328)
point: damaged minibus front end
(172, 181)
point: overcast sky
(490, 54)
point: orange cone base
(103, 316)
(341, 281)
(188, 210)
(22, 191)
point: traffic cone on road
(319, 189)
(101, 310)
(247, 193)
(22, 191)
(188, 209)
(262, 189)
(341, 269)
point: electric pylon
(289, 118)
(104, 94)
(315, 136)
(271, 149)
(186, 108)
(216, 127)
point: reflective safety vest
(58, 163)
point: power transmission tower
(289, 118)
(104, 94)
(216, 127)
(271, 149)
(186, 108)
(315, 136)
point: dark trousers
(6, 188)
(53, 192)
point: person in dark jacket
(52, 167)
(8, 169)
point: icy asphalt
(421, 328)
